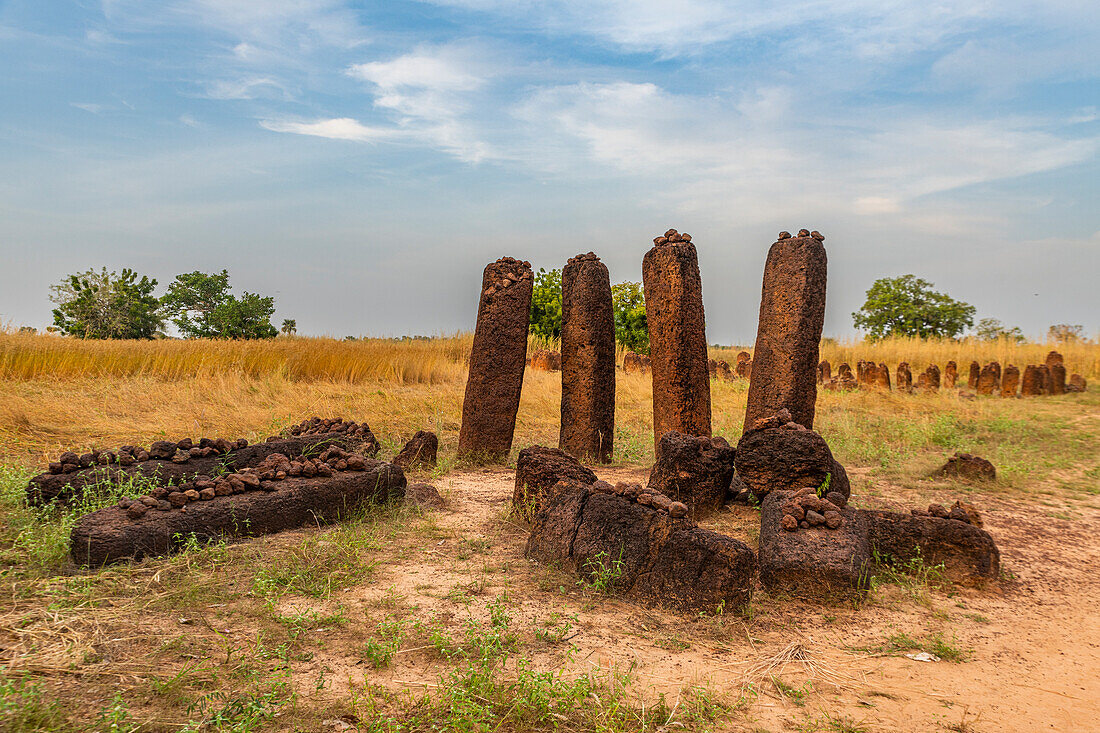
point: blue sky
(363, 161)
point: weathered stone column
(933, 373)
(1010, 381)
(497, 360)
(950, 374)
(882, 377)
(824, 371)
(677, 336)
(989, 381)
(792, 314)
(975, 375)
(905, 378)
(587, 360)
(1032, 385)
(1058, 378)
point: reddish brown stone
(967, 466)
(419, 452)
(933, 373)
(1048, 379)
(692, 469)
(989, 381)
(787, 456)
(538, 470)
(950, 375)
(882, 377)
(588, 360)
(824, 371)
(1010, 381)
(635, 363)
(1076, 383)
(1032, 385)
(497, 361)
(792, 313)
(1054, 358)
(905, 378)
(1058, 378)
(975, 375)
(677, 339)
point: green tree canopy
(631, 327)
(907, 306)
(1066, 332)
(106, 305)
(546, 304)
(290, 326)
(201, 306)
(991, 329)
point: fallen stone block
(419, 452)
(538, 469)
(112, 534)
(783, 455)
(695, 470)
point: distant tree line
(110, 305)
(627, 303)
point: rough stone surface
(950, 375)
(48, 487)
(538, 469)
(588, 360)
(1048, 379)
(497, 361)
(904, 378)
(677, 339)
(659, 559)
(784, 458)
(695, 470)
(968, 554)
(110, 535)
(419, 452)
(974, 376)
(1032, 384)
(824, 371)
(792, 313)
(967, 466)
(635, 363)
(1010, 381)
(424, 495)
(1057, 378)
(1053, 358)
(882, 377)
(989, 379)
(1076, 383)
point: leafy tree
(1065, 332)
(991, 329)
(907, 306)
(201, 306)
(546, 304)
(631, 327)
(106, 305)
(290, 326)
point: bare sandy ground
(1032, 640)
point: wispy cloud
(342, 128)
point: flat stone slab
(110, 535)
(538, 469)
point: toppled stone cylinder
(497, 360)
(677, 336)
(792, 314)
(588, 360)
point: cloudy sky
(362, 161)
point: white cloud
(246, 88)
(89, 107)
(442, 69)
(342, 128)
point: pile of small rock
(959, 511)
(804, 233)
(644, 496)
(320, 426)
(163, 450)
(263, 477)
(521, 270)
(806, 509)
(671, 236)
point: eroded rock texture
(677, 337)
(1058, 378)
(1076, 383)
(779, 454)
(419, 452)
(905, 378)
(824, 371)
(538, 469)
(882, 377)
(968, 466)
(792, 313)
(1010, 381)
(497, 360)
(642, 552)
(989, 381)
(588, 360)
(635, 363)
(113, 534)
(950, 375)
(974, 376)
(695, 470)
(1032, 385)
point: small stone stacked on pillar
(950, 374)
(677, 336)
(587, 360)
(1010, 381)
(792, 314)
(497, 361)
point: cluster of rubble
(161, 450)
(959, 512)
(671, 237)
(324, 426)
(806, 509)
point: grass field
(410, 620)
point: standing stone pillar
(950, 374)
(792, 314)
(975, 375)
(677, 336)
(905, 378)
(989, 381)
(824, 371)
(587, 360)
(1058, 378)
(1048, 379)
(1032, 385)
(882, 377)
(933, 372)
(1010, 381)
(497, 360)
